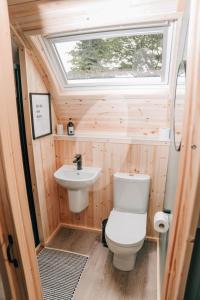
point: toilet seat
(126, 229)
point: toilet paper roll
(161, 222)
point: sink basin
(68, 176)
(77, 182)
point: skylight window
(122, 57)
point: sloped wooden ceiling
(13, 2)
(57, 16)
(29, 18)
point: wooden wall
(14, 215)
(41, 155)
(187, 204)
(112, 157)
(137, 112)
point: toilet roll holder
(167, 211)
(161, 226)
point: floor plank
(2, 295)
(100, 280)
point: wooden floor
(100, 280)
(2, 296)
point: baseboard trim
(151, 238)
(86, 228)
(72, 226)
(45, 243)
(38, 248)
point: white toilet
(126, 227)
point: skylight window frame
(166, 28)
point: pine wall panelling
(41, 155)
(112, 157)
(23, 282)
(133, 113)
(136, 112)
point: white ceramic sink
(68, 176)
(77, 182)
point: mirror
(179, 105)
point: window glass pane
(124, 57)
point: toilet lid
(126, 228)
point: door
(17, 251)
(192, 291)
(187, 204)
(22, 131)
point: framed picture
(40, 114)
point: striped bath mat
(60, 272)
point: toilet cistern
(78, 161)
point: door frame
(187, 205)
(23, 282)
(24, 149)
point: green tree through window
(128, 56)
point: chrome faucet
(78, 161)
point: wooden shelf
(112, 138)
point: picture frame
(40, 104)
